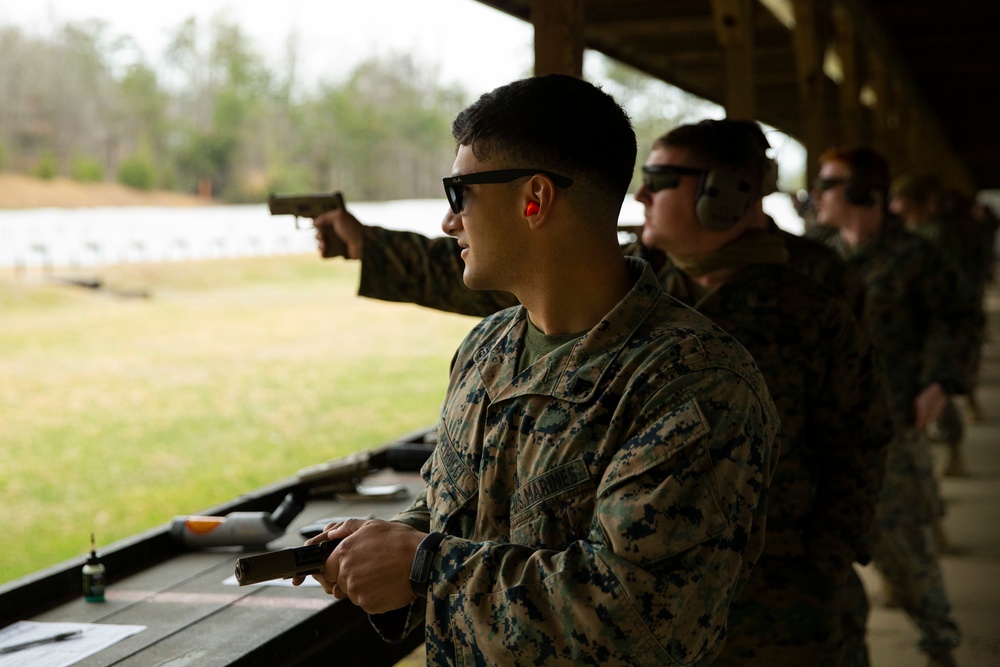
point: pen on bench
(36, 642)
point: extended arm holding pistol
(311, 206)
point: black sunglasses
(454, 186)
(658, 177)
(824, 184)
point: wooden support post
(558, 36)
(880, 113)
(853, 117)
(895, 141)
(900, 105)
(810, 39)
(734, 28)
(910, 136)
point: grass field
(118, 413)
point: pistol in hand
(311, 206)
(285, 563)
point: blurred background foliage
(212, 113)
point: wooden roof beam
(658, 28)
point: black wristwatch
(420, 572)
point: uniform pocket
(660, 494)
(451, 485)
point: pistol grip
(333, 246)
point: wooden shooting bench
(193, 618)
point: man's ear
(539, 195)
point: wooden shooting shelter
(910, 78)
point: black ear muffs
(724, 195)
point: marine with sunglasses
(809, 346)
(922, 327)
(702, 193)
(598, 490)
(407, 267)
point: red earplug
(531, 209)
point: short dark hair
(559, 123)
(738, 144)
(869, 173)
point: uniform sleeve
(677, 526)
(850, 431)
(951, 313)
(395, 625)
(410, 268)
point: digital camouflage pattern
(921, 327)
(605, 506)
(411, 268)
(817, 362)
(807, 256)
(813, 259)
(920, 322)
(905, 551)
(814, 354)
(978, 228)
(948, 241)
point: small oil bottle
(93, 576)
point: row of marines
(863, 335)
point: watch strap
(420, 571)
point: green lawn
(118, 413)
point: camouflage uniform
(834, 430)
(920, 332)
(917, 317)
(806, 256)
(604, 506)
(411, 268)
(978, 232)
(947, 239)
(813, 259)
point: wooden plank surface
(193, 618)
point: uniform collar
(571, 373)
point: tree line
(214, 114)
